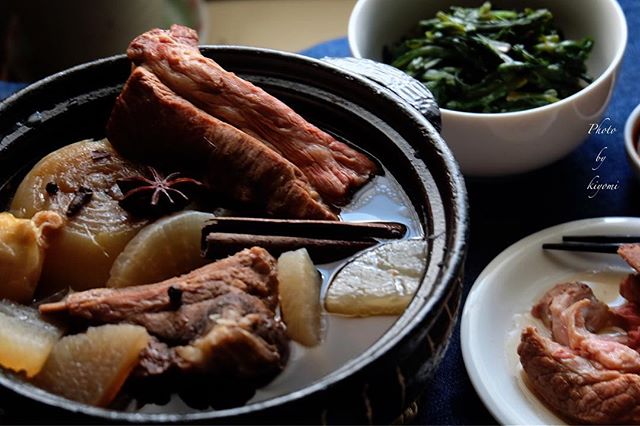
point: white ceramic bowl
(515, 142)
(632, 140)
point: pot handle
(408, 88)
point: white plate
(498, 308)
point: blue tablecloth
(506, 210)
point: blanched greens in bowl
(491, 61)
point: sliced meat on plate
(579, 388)
(631, 254)
(560, 297)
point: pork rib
(577, 387)
(190, 320)
(559, 298)
(332, 167)
(252, 271)
(232, 335)
(152, 124)
(217, 320)
(243, 339)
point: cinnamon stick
(221, 244)
(325, 240)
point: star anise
(157, 195)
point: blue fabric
(506, 210)
(7, 88)
(337, 48)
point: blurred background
(40, 37)
(291, 25)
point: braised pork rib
(151, 124)
(332, 167)
(217, 320)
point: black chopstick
(592, 243)
(602, 238)
(583, 246)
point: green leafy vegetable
(485, 60)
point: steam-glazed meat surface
(577, 387)
(589, 370)
(332, 167)
(218, 319)
(557, 300)
(151, 123)
(609, 350)
(190, 320)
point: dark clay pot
(397, 126)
